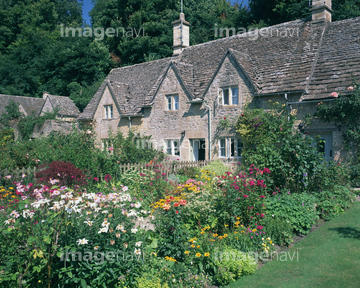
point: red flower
(224, 118)
(177, 212)
(176, 204)
(242, 115)
(182, 202)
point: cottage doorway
(198, 149)
(325, 144)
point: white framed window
(108, 111)
(230, 148)
(106, 144)
(172, 102)
(172, 147)
(228, 96)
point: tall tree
(155, 18)
(34, 55)
(273, 12)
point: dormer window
(108, 111)
(172, 102)
(228, 96)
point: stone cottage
(66, 112)
(180, 100)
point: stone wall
(53, 126)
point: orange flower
(207, 254)
(176, 204)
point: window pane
(176, 148)
(222, 147)
(168, 147)
(235, 95)
(176, 102)
(106, 112)
(169, 102)
(239, 148)
(232, 147)
(111, 111)
(226, 96)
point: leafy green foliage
(298, 209)
(344, 110)
(279, 230)
(279, 11)
(232, 264)
(270, 140)
(334, 202)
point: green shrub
(216, 166)
(150, 281)
(298, 209)
(270, 140)
(279, 230)
(231, 264)
(189, 172)
(334, 201)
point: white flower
(141, 219)
(125, 188)
(15, 214)
(137, 205)
(104, 230)
(105, 224)
(137, 251)
(138, 244)
(120, 227)
(105, 212)
(82, 241)
(89, 222)
(8, 222)
(53, 181)
(96, 248)
(134, 230)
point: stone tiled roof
(338, 63)
(31, 105)
(65, 104)
(294, 56)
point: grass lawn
(328, 257)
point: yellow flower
(207, 254)
(202, 232)
(215, 235)
(226, 225)
(235, 232)
(254, 230)
(187, 252)
(236, 238)
(198, 255)
(198, 247)
(193, 246)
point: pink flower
(334, 94)
(111, 148)
(245, 196)
(262, 215)
(351, 88)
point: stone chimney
(321, 11)
(181, 34)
